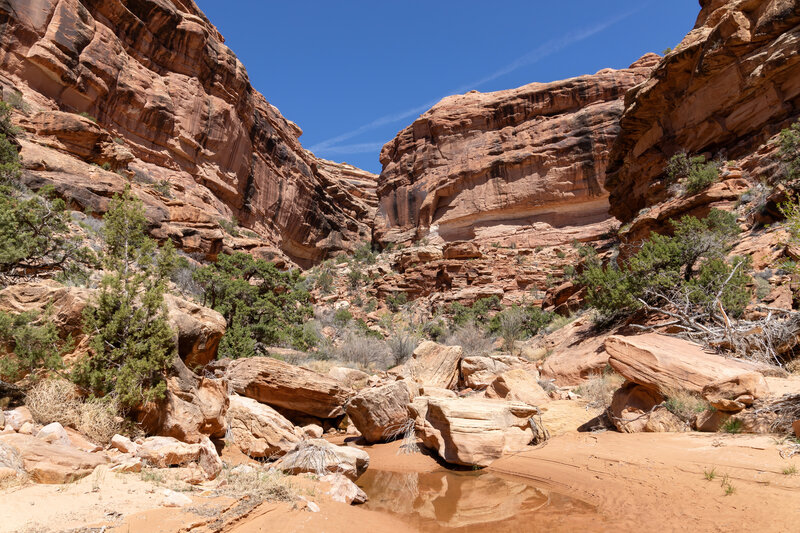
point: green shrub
(396, 300)
(695, 172)
(262, 305)
(342, 317)
(132, 344)
(84, 114)
(692, 262)
(789, 152)
(231, 226)
(31, 343)
(476, 313)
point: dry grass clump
(600, 389)
(366, 352)
(684, 404)
(99, 420)
(56, 400)
(473, 340)
(258, 484)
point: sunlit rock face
(158, 79)
(732, 83)
(507, 165)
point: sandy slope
(656, 480)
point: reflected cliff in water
(446, 500)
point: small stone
(26, 428)
(312, 431)
(175, 499)
(55, 434)
(124, 444)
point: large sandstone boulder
(472, 432)
(381, 413)
(49, 463)
(478, 372)
(663, 363)
(321, 457)
(193, 407)
(435, 365)
(518, 385)
(163, 452)
(635, 409)
(286, 386)
(342, 489)
(259, 430)
(349, 377)
(198, 329)
(736, 393)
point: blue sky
(352, 74)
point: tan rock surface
(662, 363)
(485, 166)
(50, 463)
(280, 384)
(435, 365)
(472, 431)
(381, 413)
(259, 430)
(736, 393)
(518, 385)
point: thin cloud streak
(537, 54)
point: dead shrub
(99, 420)
(401, 345)
(366, 352)
(256, 483)
(473, 340)
(600, 389)
(54, 400)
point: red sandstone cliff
(731, 84)
(525, 166)
(171, 103)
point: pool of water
(446, 500)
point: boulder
(635, 409)
(348, 377)
(435, 365)
(198, 329)
(667, 363)
(475, 431)
(461, 250)
(312, 431)
(55, 434)
(341, 489)
(478, 372)
(193, 407)
(124, 444)
(736, 393)
(320, 457)
(518, 385)
(381, 413)
(17, 418)
(259, 430)
(280, 384)
(49, 463)
(163, 452)
(174, 499)
(710, 420)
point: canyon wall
(524, 166)
(730, 85)
(166, 102)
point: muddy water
(450, 501)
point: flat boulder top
(51, 463)
(662, 362)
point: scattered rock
(27, 428)
(668, 363)
(318, 456)
(472, 431)
(259, 430)
(124, 444)
(341, 489)
(280, 384)
(163, 452)
(50, 463)
(380, 413)
(127, 465)
(54, 434)
(736, 393)
(312, 431)
(174, 499)
(518, 385)
(435, 365)
(18, 417)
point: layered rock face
(172, 105)
(508, 164)
(732, 83)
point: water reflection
(445, 500)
